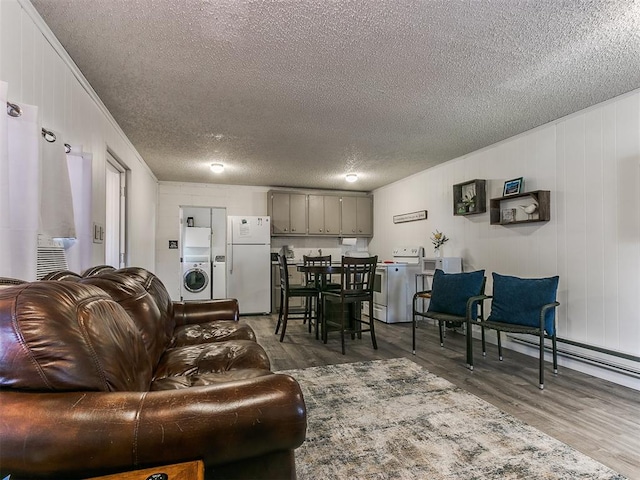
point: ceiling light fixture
(351, 177)
(217, 167)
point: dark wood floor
(598, 418)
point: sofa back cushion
(66, 336)
(140, 306)
(158, 291)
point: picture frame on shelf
(508, 215)
(513, 187)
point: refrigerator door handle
(230, 260)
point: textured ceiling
(298, 93)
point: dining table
(322, 274)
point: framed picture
(512, 187)
(508, 215)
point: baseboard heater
(609, 365)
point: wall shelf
(462, 192)
(507, 210)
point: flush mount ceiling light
(217, 167)
(351, 177)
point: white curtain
(20, 179)
(79, 252)
(56, 203)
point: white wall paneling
(39, 72)
(590, 161)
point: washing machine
(196, 281)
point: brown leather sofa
(106, 374)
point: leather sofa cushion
(157, 290)
(66, 336)
(140, 306)
(186, 381)
(212, 358)
(218, 331)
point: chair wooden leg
(324, 324)
(441, 332)
(309, 311)
(484, 343)
(372, 327)
(499, 345)
(285, 317)
(318, 314)
(413, 330)
(342, 315)
(280, 311)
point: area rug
(392, 419)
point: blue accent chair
(524, 306)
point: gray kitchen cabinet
(298, 213)
(357, 216)
(364, 216)
(288, 213)
(324, 215)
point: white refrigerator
(249, 263)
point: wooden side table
(178, 471)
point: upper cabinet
(357, 216)
(297, 213)
(288, 213)
(324, 215)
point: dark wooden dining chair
(356, 286)
(288, 291)
(319, 281)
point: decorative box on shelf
(527, 207)
(470, 197)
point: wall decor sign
(512, 187)
(410, 217)
(173, 244)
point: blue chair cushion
(519, 300)
(450, 292)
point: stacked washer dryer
(196, 264)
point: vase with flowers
(438, 239)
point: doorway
(115, 214)
(200, 256)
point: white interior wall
(590, 161)
(238, 200)
(39, 72)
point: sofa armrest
(81, 434)
(186, 313)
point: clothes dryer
(196, 281)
